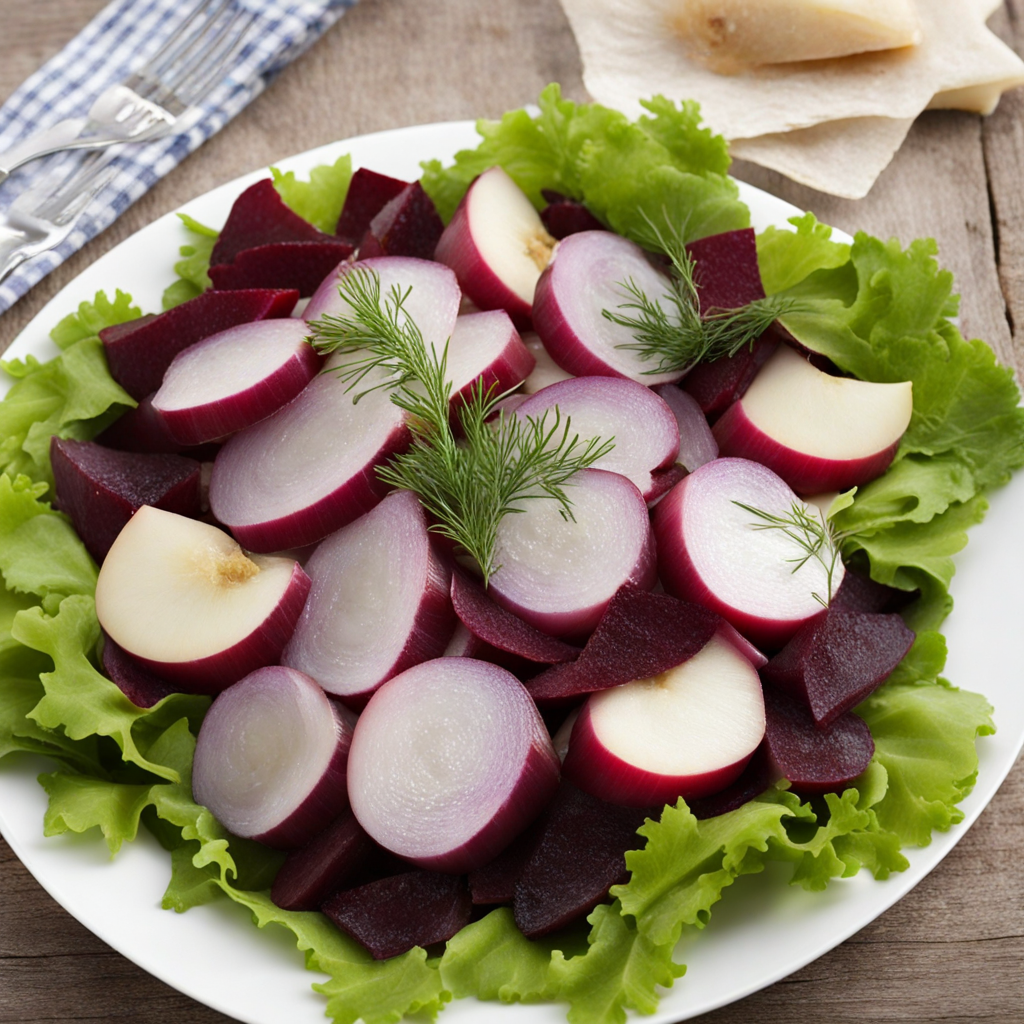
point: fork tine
(203, 79)
(157, 65)
(198, 60)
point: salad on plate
(650, 297)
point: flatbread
(843, 158)
(629, 53)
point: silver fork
(45, 214)
(155, 99)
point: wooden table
(953, 949)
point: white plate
(760, 932)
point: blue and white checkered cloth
(116, 42)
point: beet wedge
(331, 860)
(833, 663)
(502, 629)
(641, 635)
(393, 915)
(368, 193)
(407, 225)
(259, 216)
(814, 760)
(580, 854)
(298, 265)
(138, 358)
(100, 489)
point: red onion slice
(712, 552)
(644, 429)
(234, 379)
(487, 345)
(308, 470)
(432, 302)
(378, 605)
(559, 574)
(449, 763)
(270, 758)
(697, 445)
(587, 275)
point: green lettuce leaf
(320, 199)
(72, 395)
(194, 266)
(628, 173)
(788, 257)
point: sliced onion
(449, 763)
(270, 758)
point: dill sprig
(815, 535)
(467, 485)
(678, 337)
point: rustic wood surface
(953, 949)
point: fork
(155, 99)
(45, 214)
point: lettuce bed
(878, 311)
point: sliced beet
(368, 193)
(859, 593)
(503, 629)
(814, 760)
(563, 217)
(641, 635)
(143, 429)
(726, 270)
(756, 778)
(834, 662)
(580, 854)
(259, 216)
(496, 882)
(408, 225)
(393, 915)
(298, 265)
(715, 386)
(100, 489)
(139, 358)
(137, 683)
(329, 861)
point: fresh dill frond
(815, 535)
(676, 338)
(467, 485)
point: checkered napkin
(106, 51)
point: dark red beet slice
(299, 265)
(756, 778)
(663, 480)
(834, 662)
(641, 635)
(142, 429)
(139, 358)
(563, 217)
(259, 216)
(138, 684)
(814, 760)
(392, 915)
(580, 854)
(368, 193)
(100, 489)
(717, 385)
(329, 861)
(728, 275)
(503, 629)
(408, 225)
(862, 594)
(496, 882)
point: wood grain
(951, 950)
